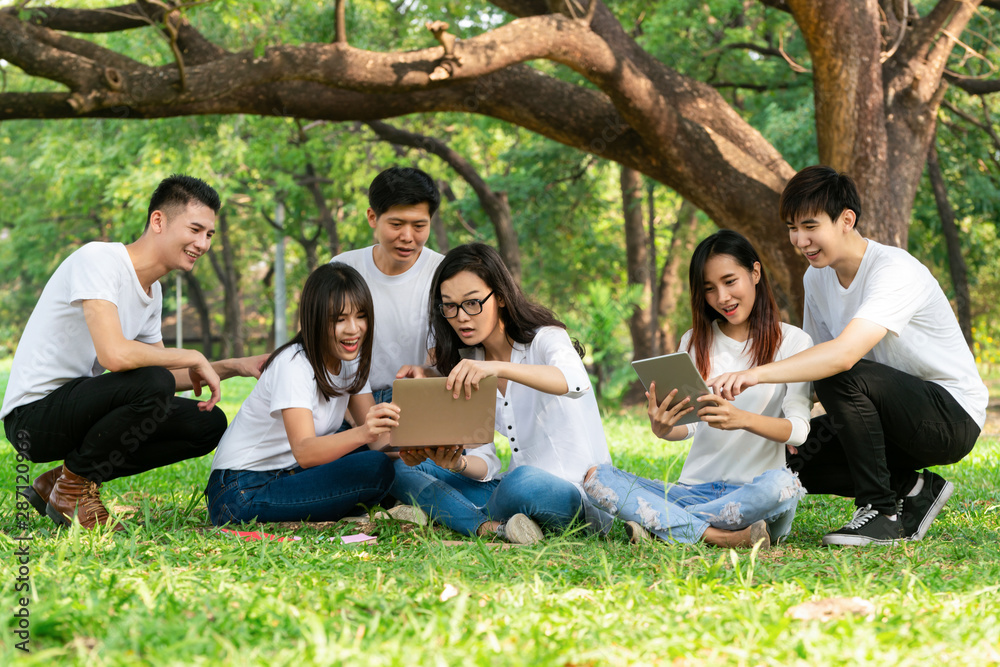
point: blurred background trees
(602, 244)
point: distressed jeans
(682, 512)
(464, 504)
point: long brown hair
(765, 324)
(325, 295)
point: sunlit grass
(171, 590)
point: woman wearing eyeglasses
(484, 326)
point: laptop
(673, 371)
(430, 417)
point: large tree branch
(142, 14)
(645, 115)
(973, 85)
(108, 19)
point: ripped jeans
(682, 513)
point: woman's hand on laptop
(381, 419)
(449, 458)
(413, 457)
(445, 457)
(468, 373)
(412, 371)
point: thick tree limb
(757, 48)
(109, 19)
(972, 85)
(143, 14)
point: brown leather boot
(38, 493)
(73, 494)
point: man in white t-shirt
(399, 271)
(100, 311)
(897, 380)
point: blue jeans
(326, 492)
(464, 504)
(682, 513)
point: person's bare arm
(224, 368)
(468, 372)
(116, 353)
(311, 450)
(815, 363)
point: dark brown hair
(815, 189)
(765, 324)
(521, 318)
(325, 296)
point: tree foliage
(719, 100)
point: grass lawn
(171, 590)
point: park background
(595, 167)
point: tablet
(430, 417)
(673, 371)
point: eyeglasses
(471, 307)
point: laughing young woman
(282, 458)
(734, 489)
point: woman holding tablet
(484, 326)
(734, 489)
(281, 459)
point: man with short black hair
(100, 311)
(897, 380)
(398, 270)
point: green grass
(171, 591)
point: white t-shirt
(402, 321)
(562, 435)
(256, 440)
(56, 346)
(739, 456)
(894, 290)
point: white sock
(916, 487)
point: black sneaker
(920, 510)
(867, 526)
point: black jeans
(881, 426)
(115, 425)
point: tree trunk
(226, 268)
(197, 295)
(637, 263)
(682, 241)
(440, 232)
(956, 262)
(327, 221)
(654, 286)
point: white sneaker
(636, 533)
(409, 513)
(519, 529)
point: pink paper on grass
(250, 536)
